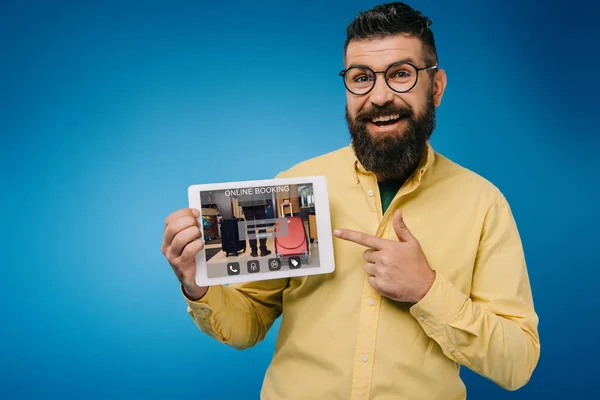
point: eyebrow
(404, 60)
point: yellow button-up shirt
(340, 339)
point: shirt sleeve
(494, 330)
(239, 315)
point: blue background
(109, 111)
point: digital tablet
(265, 229)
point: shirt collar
(427, 159)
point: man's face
(389, 129)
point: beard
(395, 154)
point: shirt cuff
(439, 306)
(206, 303)
(202, 310)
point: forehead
(378, 53)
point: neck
(381, 178)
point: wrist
(194, 293)
(428, 283)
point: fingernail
(195, 212)
(337, 232)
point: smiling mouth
(386, 120)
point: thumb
(400, 227)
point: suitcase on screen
(296, 241)
(230, 237)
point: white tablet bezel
(324, 232)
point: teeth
(386, 118)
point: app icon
(233, 268)
(274, 264)
(253, 266)
(294, 262)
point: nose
(381, 93)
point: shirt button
(204, 310)
(451, 349)
(421, 318)
(365, 358)
(370, 193)
(371, 302)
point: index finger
(181, 213)
(361, 238)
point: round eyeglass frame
(344, 71)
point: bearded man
(430, 270)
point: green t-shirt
(387, 191)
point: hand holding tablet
(181, 242)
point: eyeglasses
(400, 77)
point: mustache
(387, 109)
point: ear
(439, 85)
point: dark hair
(393, 19)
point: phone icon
(233, 268)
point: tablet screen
(260, 231)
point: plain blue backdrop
(110, 109)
